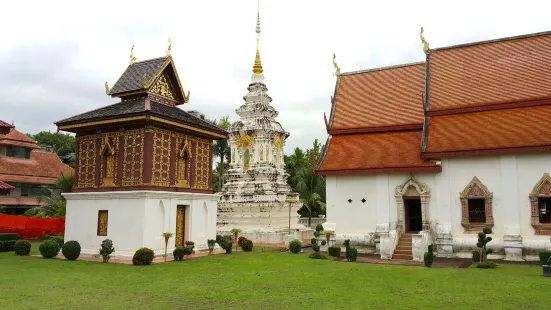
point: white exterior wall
(509, 177)
(138, 219)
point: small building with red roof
(25, 170)
(441, 149)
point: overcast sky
(55, 56)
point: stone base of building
(137, 219)
(275, 236)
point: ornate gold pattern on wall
(161, 158)
(164, 87)
(278, 142)
(183, 162)
(233, 156)
(108, 163)
(102, 222)
(180, 225)
(245, 141)
(133, 157)
(86, 161)
(202, 162)
(261, 153)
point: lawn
(264, 280)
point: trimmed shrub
(323, 242)
(188, 250)
(247, 245)
(544, 257)
(476, 256)
(317, 255)
(487, 265)
(228, 248)
(49, 249)
(314, 241)
(179, 253)
(295, 246)
(429, 257)
(190, 244)
(317, 234)
(483, 241)
(106, 250)
(71, 250)
(7, 246)
(240, 240)
(319, 228)
(143, 256)
(351, 253)
(335, 251)
(225, 243)
(316, 248)
(59, 240)
(9, 236)
(22, 247)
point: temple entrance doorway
(413, 214)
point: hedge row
(9, 236)
(7, 246)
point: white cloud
(55, 58)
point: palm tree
(312, 204)
(222, 150)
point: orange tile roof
(497, 129)
(375, 152)
(381, 97)
(14, 137)
(20, 201)
(493, 72)
(42, 166)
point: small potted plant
(167, 235)
(211, 243)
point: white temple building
(256, 197)
(433, 152)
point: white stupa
(256, 197)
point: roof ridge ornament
(425, 43)
(186, 97)
(257, 67)
(337, 69)
(132, 57)
(106, 88)
(169, 49)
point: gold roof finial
(132, 58)
(257, 68)
(425, 43)
(169, 49)
(106, 89)
(337, 69)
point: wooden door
(180, 225)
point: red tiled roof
(40, 167)
(375, 153)
(6, 187)
(4, 124)
(501, 71)
(17, 138)
(20, 201)
(497, 129)
(382, 97)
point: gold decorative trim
(245, 141)
(111, 162)
(103, 218)
(476, 190)
(541, 189)
(109, 121)
(161, 120)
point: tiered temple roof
(491, 97)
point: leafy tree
(2, 209)
(62, 144)
(221, 151)
(55, 203)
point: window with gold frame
(102, 222)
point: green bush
(323, 242)
(317, 234)
(188, 250)
(225, 243)
(319, 228)
(9, 236)
(487, 265)
(247, 245)
(428, 257)
(143, 256)
(317, 255)
(22, 247)
(7, 246)
(228, 248)
(240, 240)
(335, 251)
(544, 257)
(314, 241)
(295, 246)
(179, 253)
(59, 240)
(351, 253)
(106, 250)
(476, 256)
(316, 248)
(49, 249)
(71, 250)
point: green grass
(264, 280)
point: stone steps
(403, 248)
